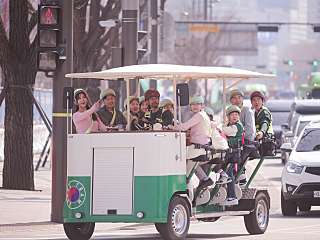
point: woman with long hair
(85, 118)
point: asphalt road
(302, 226)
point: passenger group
(243, 126)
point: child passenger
(234, 132)
(85, 118)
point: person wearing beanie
(262, 115)
(154, 113)
(234, 132)
(85, 118)
(109, 115)
(167, 116)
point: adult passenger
(109, 115)
(85, 118)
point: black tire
(257, 221)
(79, 231)
(288, 207)
(178, 220)
(304, 207)
(159, 227)
(211, 219)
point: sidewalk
(18, 206)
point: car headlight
(293, 167)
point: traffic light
(316, 28)
(315, 63)
(288, 62)
(49, 29)
(268, 28)
(142, 46)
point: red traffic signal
(49, 35)
(48, 15)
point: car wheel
(79, 231)
(288, 207)
(178, 220)
(257, 221)
(283, 157)
(304, 207)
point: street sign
(203, 28)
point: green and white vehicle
(143, 176)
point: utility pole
(60, 117)
(130, 34)
(154, 36)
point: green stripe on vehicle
(152, 195)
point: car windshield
(309, 140)
(279, 118)
(301, 126)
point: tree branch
(5, 51)
(33, 21)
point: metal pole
(224, 99)
(205, 9)
(59, 136)
(154, 37)
(130, 34)
(154, 31)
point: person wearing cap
(235, 137)
(85, 118)
(154, 113)
(167, 117)
(246, 115)
(262, 115)
(200, 133)
(134, 111)
(109, 115)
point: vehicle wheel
(159, 227)
(283, 158)
(79, 231)
(304, 207)
(178, 221)
(288, 208)
(257, 221)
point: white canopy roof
(170, 71)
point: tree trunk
(18, 63)
(18, 138)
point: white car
(301, 175)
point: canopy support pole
(224, 98)
(128, 105)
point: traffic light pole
(154, 36)
(59, 135)
(130, 34)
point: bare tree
(93, 43)
(18, 63)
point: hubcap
(179, 219)
(262, 214)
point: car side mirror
(288, 134)
(285, 126)
(182, 94)
(286, 147)
(68, 97)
